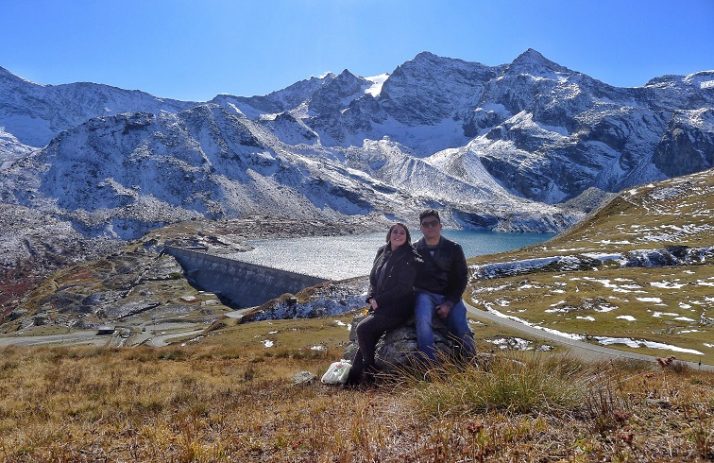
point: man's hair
(429, 213)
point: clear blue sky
(193, 50)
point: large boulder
(398, 347)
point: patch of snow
(318, 347)
(635, 343)
(629, 318)
(577, 337)
(511, 343)
(377, 82)
(605, 308)
(603, 256)
(564, 309)
(267, 343)
(684, 319)
(489, 289)
(666, 284)
(659, 314)
(588, 318)
(655, 300)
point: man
(439, 286)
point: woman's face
(397, 237)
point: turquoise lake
(340, 257)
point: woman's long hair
(399, 224)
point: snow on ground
(267, 343)
(672, 233)
(605, 307)
(635, 343)
(655, 300)
(578, 337)
(511, 343)
(629, 318)
(666, 284)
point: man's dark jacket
(391, 281)
(443, 273)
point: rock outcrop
(398, 348)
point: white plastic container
(337, 373)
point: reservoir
(341, 257)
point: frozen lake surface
(341, 257)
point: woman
(391, 298)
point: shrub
(516, 385)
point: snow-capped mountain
(491, 145)
(125, 174)
(35, 113)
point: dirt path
(581, 349)
(77, 338)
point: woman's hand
(373, 303)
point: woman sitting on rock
(391, 298)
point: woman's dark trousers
(369, 331)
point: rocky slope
(36, 113)
(120, 176)
(490, 135)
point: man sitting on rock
(439, 285)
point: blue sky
(193, 50)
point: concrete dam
(241, 284)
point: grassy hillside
(230, 398)
(667, 305)
(675, 212)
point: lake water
(340, 257)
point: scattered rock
(303, 377)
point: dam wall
(241, 284)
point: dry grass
(568, 302)
(230, 399)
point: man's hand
(443, 309)
(373, 303)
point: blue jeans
(425, 310)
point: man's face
(431, 227)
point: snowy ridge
(497, 147)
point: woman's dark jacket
(391, 281)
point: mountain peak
(532, 60)
(532, 56)
(345, 73)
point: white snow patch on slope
(377, 83)
(635, 343)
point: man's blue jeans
(425, 310)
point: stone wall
(239, 283)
